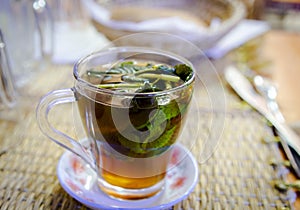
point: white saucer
(79, 180)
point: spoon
(268, 90)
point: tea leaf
(160, 76)
(159, 129)
(133, 145)
(124, 85)
(183, 71)
(162, 141)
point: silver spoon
(269, 91)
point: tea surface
(139, 76)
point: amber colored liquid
(127, 196)
(133, 173)
(132, 183)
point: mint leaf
(183, 71)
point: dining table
(245, 171)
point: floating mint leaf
(156, 122)
(171, 110)
(162, 141)
(141, 106)
(131, 145)
(165, 68)
(127, 63)
(161, 120)
(145, 101)
(183, 71)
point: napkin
(72, 42)
(241, 33)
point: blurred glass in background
(68, 11)
(74, 36)
(7, 88)
(28, 30)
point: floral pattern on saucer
(79, 180)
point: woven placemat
(237, 176)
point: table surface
(283, 49)
(237, 175)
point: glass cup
(131, 128)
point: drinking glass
(131, 128)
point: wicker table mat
(238, 175)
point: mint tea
(135, 119)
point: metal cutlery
(290, 140)
(269, 92)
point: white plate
(79, 181)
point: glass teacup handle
(48, 102)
